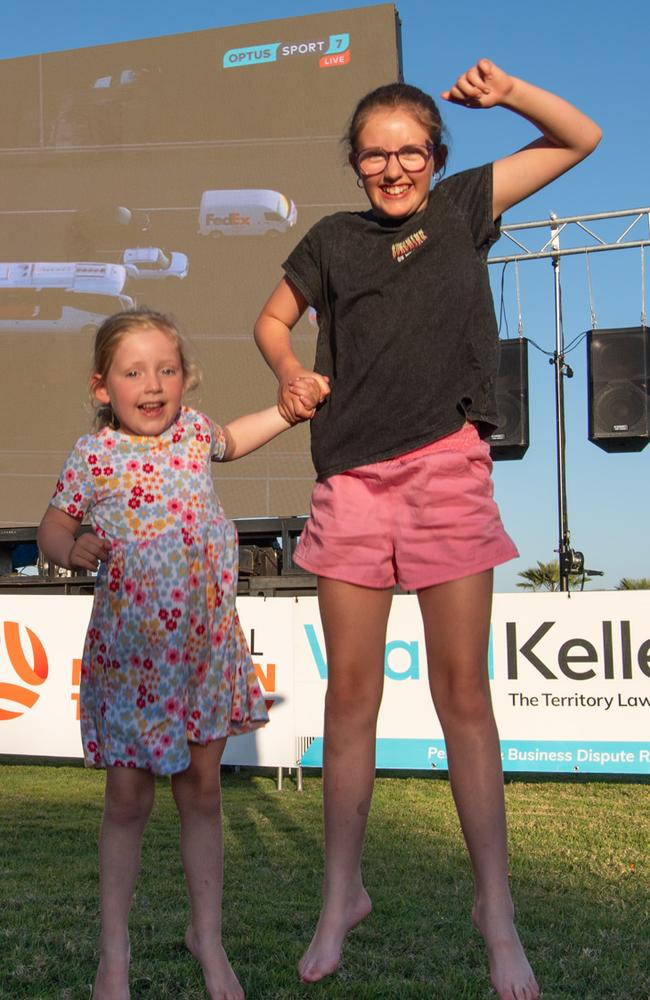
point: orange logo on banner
(76, 680)
(31, 674)
(267, 680)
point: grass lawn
(580, 861)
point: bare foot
(510, 973)
(112, 979)
(324, 952)
(220, 980)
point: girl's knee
(349, 721)
(466, 701)
(128, 800)
(205, 802)
(352, 702)
(353, 680)
(197, 791)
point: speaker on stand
(618, 368)
(510, 440)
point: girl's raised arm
(568, 135)
(279, 315)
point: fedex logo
(232, 219)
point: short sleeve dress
(165, 661)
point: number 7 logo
(338, 43)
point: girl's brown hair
(112, 332)
(393, 96)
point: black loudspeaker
(618, 366)
(510, 440)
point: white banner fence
(570, 679)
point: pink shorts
(423, 518)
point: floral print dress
(165, 661)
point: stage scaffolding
(571, 561)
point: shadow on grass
(580, 873)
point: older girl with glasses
(408, 343)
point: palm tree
(546, 576)
(641, 583)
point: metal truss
(551, 247)
(572, 228)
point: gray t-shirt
(406, 325)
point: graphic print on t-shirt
(403, 248)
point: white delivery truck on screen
(60, 297)
(245, 212)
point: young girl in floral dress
(166, 674)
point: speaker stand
(562, 371)
(571, 562)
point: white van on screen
(245, 212)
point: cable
(520, 319)
(549, 354)
(503, 317)
(577, 340)
(592, 308)
(642, 287)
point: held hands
(482, 86)
(87, 551)
(300, 394)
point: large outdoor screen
(177, 173)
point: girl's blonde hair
(109, 336)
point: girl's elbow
(592, 139)
(230, 451)
(39, 538)
(268, 329)
(43, 533)
(257, 330)
(585, 145)
(45, 544)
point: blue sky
(589, 52)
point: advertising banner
(41, 643)
(267, 625)
(570, 682)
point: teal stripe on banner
(549, 756)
